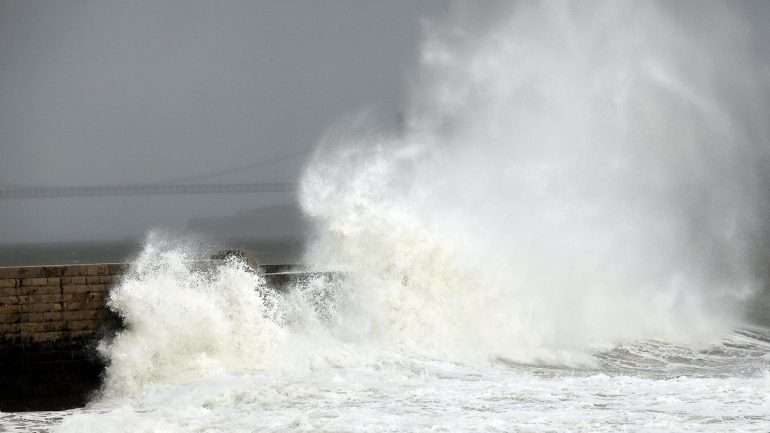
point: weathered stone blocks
(8, 283)
(43, 304)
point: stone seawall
(52, 318)
(54, 304)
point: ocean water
(217, 351)
(570, 233)
(278, 251)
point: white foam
(182, 322)
(417, 395)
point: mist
(570, 176)
(120, 93)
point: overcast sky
(120, 92)
(106, 92)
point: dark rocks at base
(48, 377)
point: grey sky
(96, 92)
(114, 92)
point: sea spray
(573, 177)
(184, 321)
(568, 179)
(187, 320)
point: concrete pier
(52, 318)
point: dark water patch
(52, 376)
(59, 253)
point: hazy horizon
(114, 93)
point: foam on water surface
(415, 394)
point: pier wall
(54, 304)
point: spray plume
(571, 176)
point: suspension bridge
(142, 190)
(193, 184)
